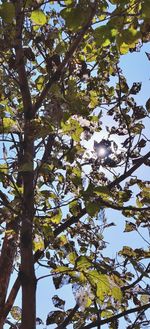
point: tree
(56, 92)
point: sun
(101, 152)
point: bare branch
(6, 203)
(133, 284)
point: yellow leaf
(38, 17)
(39, 82)
(38, 243)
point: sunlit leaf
(130, 227)
(74, 208)
(72, 257)
(16, 313)
(116, 293)
(38, 243)
(82, 263)
(74, 17)
(9, 125)
(55, 217)
(40, 82)
(38, 17)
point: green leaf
(124, 48)
(104, 35)
(38, 17)
(130, 35)
(7, 12)
(92, 208)
(61, 48)
(56, 216)
(124, 196)
(93, 99)
(146, 9)
(38, 243)
(82, 263)
(128, 39)
(3, 168)
(72, 128)
(61, 269)
(102, 191)
(74, 208)
(116, 293)
(9, 125)
(103, 287)
(129, 227)
(106, 314)
(75, 18)
(100, 281)
(72, 257)
(40, 82)
(137, 128)
(144, 299)
(56, 90)
(127, 251)
(62, 240)
(16, 313)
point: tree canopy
(61, 85)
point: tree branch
(69, 222)
(6, 203)
(65, 225)
(137, 280)
(20, 64)
(117, 207)
(117, 316)
(128, 173)
(46, 155)
(12, 296)
(6, 259)
(74, 46)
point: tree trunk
(27, 273)
(2, 321)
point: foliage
(60, 84)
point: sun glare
(101, 152)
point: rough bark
(27, 273)
(9, 247)
(6, 263)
